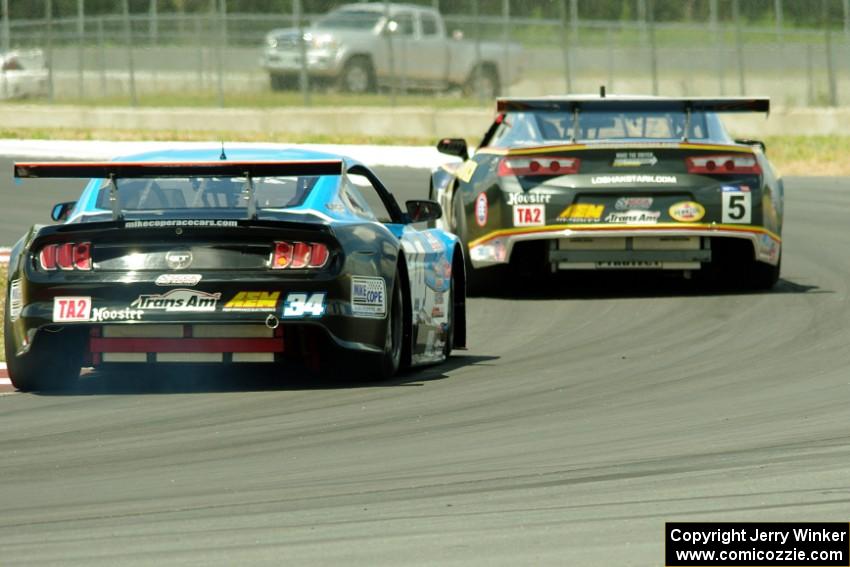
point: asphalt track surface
(581, 418)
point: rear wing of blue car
(634, 104)
(113, 171)
(223, 168)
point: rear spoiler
(613, 104)
(114, 170)
(118, 169)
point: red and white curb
(4, 375)
(4, 255)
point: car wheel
(278, 82)
(387, 363)
(450, 331)
(52, 363)
(482, 83)
(357, 76)
(764, 276)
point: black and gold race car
(260, 256)
(615, 183)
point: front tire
(357, 77)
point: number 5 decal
(737, 207)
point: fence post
(48, 7)
(846, 6)
(506, 48)
(830, 65)
(565, 46)
(641, 15)
(128, 39)
(388, 34)
(476, 13)
(219, 63)
(574, 20)
(101, 56)
(718, 45)
(303, 77)
(810, 76)
(81, 30)
(739, 47)
(653, 56)
(780, 40)
(609, 42)
(7, 40)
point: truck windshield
(522, 128)
(350, 20)
(206, 193)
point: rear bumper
(496, 248)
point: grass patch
(810, 155)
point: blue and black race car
(617, 182)
(258, 256)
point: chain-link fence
(389, 52)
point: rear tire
(53, 362)
(280, 82)
(387, 363)
(357, 77)
(764, 276)
(482, 83)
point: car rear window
(207, 193)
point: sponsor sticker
(529, 215)
(301, 304)
(735, 188)
(368, 296)
(631, 203)
(687, 211)
(634, 159)
(633, 217)
(466, 170)
(581, 212)
(178, 279)
(433, 242)
(528, 198)
(68, 309)
(16, 300)
(481, 209)
(167, 223)
(632, 179)
(178, 300)
(253, 301)
(99, 314)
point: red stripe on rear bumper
(99, 344)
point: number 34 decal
(304, 305)
(737, 207)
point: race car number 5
(737, 207)
(302, 304)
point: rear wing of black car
(115, 170)
(127, 170)
(649, 104)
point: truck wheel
(357, 76)
(279, 82)
(52, 363)
(483, 83)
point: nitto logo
(178, 259)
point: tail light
(68, 256)
(723, 164)
(538, 165)
(299, 255)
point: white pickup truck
(358, 48)
(22, 74)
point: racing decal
(529, 215)
(433, 242)
(16, 300)
(630, 203)
(368, 297)
(168, 223)
(178, 279)
(581, 212)
(67, 309)
(769, 248)
(253, 301)
(633, 217)
(634, 159)
(299, 304)
(687, 211)
(737, 207)
(99, 314)
(178, 300)
(481, 209)
(466, 171)
(631, 179)
(528, 198)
